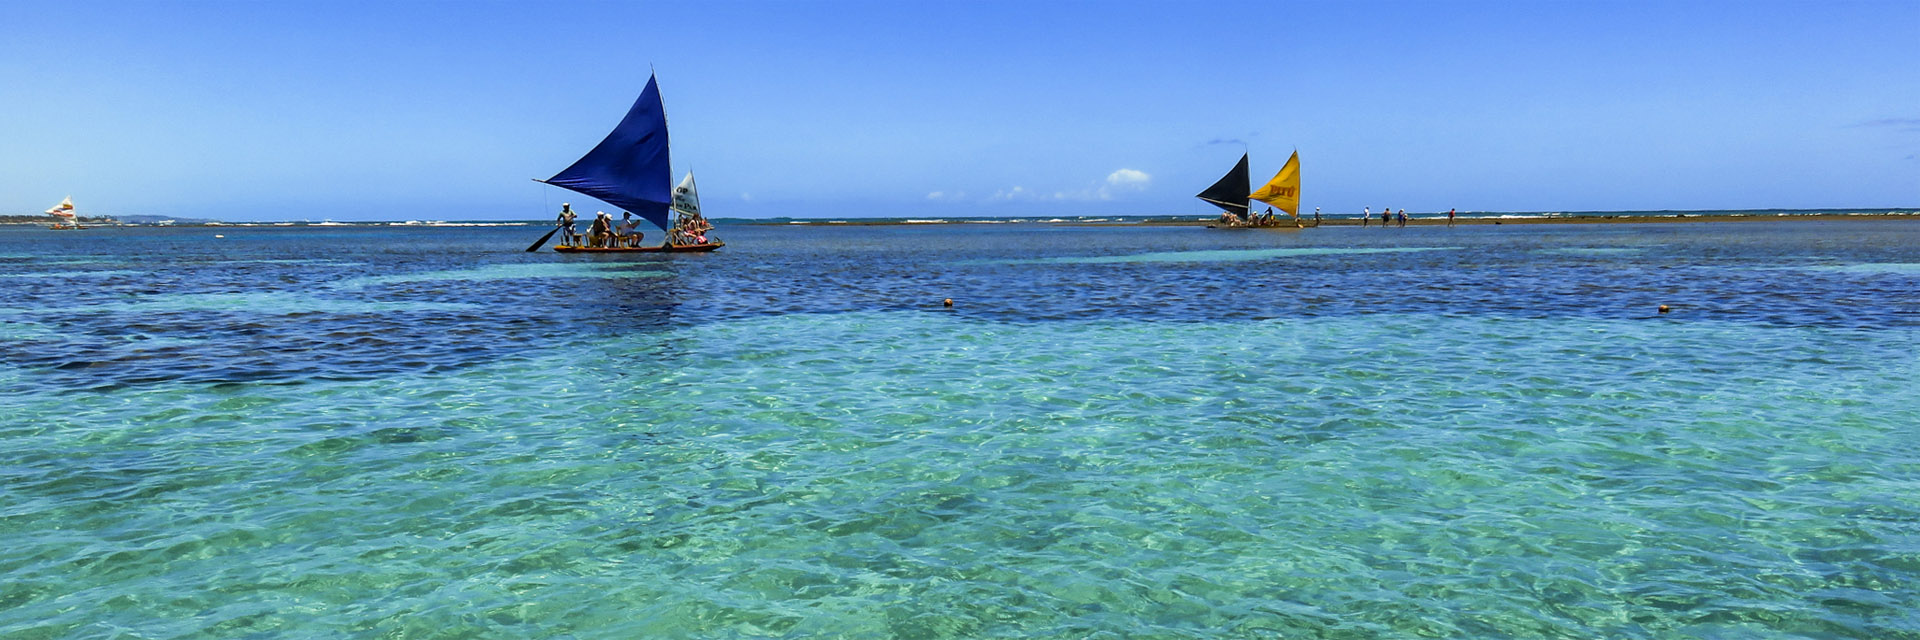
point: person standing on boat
(565, 223)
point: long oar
(542, 240)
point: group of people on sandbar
(1389, 217)
(1386, 217)
(603, 233)
(1231, 219)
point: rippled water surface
(1124, 431)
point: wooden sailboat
(1283, 191)
(63, 215)
(631, 169)
(1231, 195)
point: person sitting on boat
(700, 229)
(565, 222)
(691, 229)
(629, 233)
(600, 234)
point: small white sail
(686, 199)
(64, 209)
(689, 227)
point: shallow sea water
(1117, 432)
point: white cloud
(747, 197)
(936, 195)
(1129, 178)
(1119, 182)
(1016, 193)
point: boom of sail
(629, 169)
(1283, 191)
(1230, 193)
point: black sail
(1231, 191)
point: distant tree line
(41, 218)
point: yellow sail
(1283, 192)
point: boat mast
(667, 122)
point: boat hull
(1269, 227)
(678, 248)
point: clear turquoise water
(1230, 434)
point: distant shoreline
(1426, 220)
(1630, 219)
(1345, 220)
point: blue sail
(629, 169)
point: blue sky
(432, 110)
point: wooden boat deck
(678, 248)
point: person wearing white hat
(601, 233)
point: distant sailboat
(63, 216)
(1231, 194)
(1283, 191)
(631, 169)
